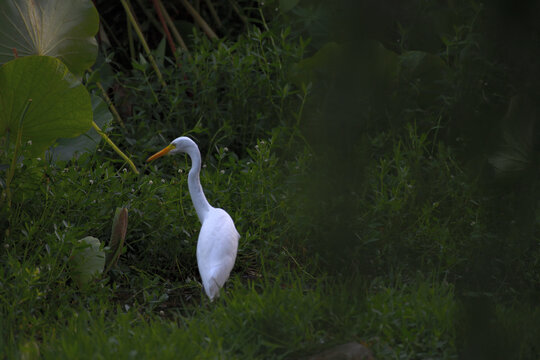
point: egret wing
(216, 250)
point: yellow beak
(160, 153)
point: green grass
(279, 319)
(367, 225)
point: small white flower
(263, 142)
(163, 181)
(124, 170)
(91, 181)
(38, 159)
(257, 146)
(99, 150)
(225, 149)
(150, 182)
(222, 171)
(180, 171)
(29, 142)
(249, 162)
(204, 166)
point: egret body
(218, 238)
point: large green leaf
(60, 104)
(67, 149)
(58, 28)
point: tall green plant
(60, 106)
(46, 27)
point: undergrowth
(358, 223)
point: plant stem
(213, 12)
(129, 13)
(165, 28)
(297, 132)
(149, 15)
(115, 148)
(130, 40)
(199, 20)
(239, 12)
(110, 104)
(175, 32)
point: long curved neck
(194, 184)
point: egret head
(178, 145)
(181, 144)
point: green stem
(149, 15)
(199, 20)
(130, 40)
(143, 42)
(174, 30)
(165, 28)
(214, 14)
(110, 104)
(239, 12)
(296, 131)
(115, 148)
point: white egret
(218, 238)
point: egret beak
(160, 153)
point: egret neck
(194, 184)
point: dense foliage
(380, 160)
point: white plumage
(218, 238)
